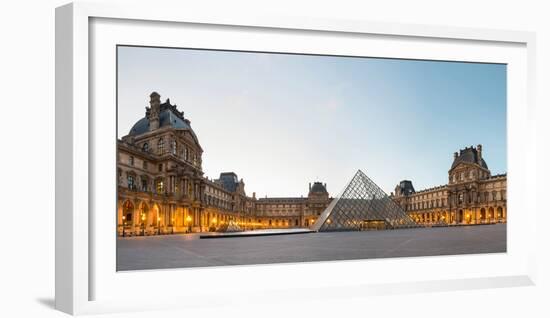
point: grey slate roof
(406, 187)
(468, 155)
(167, 118)
(229, 181)
(318, 187)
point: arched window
(161, 146)
(145, 147)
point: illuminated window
(160, 186)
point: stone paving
(188, 250)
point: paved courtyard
(188, 250)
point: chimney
(325, 186)
(479, 149)
(456, 155)
(310, 186)
(154, 115)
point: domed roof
(169, 117)
(318, 187)
(469, 155)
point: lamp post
(158, 225)
(188, 219)
(123, 226)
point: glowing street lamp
(188, 219)
(214, 221)
(123, 226)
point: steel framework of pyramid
(362, 205)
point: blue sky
(281, 121)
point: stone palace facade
(472, 195)
(162, 188)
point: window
(174, 147)
(131, 160)
(176, 186)
(144, 165)
(161, 146)
(145, 147)
(160, 167)
(460, 198)
(143, 184)
(131, 182)
(160, 186)
(185, 153)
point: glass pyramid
(362, 206)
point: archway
(460, 216)
(127, 217)
(128, 212)
(491, 214)
(500, 213)
(483, 215)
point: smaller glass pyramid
(362, 206)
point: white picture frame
(83, 286)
